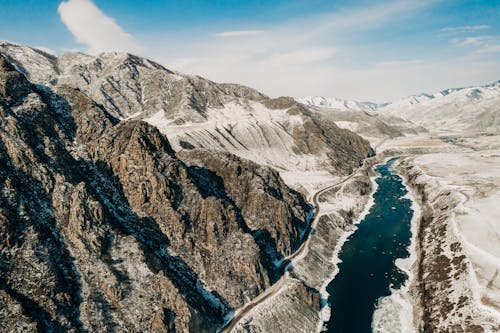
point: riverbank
(454, 285)
(325, 313)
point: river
(368, 271)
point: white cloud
(494, 48)
(239, 33)
(302, 56)
(468, 41)
(90, 26)
(298, 57)
(465, 29)
(482, 44)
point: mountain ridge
(345, 104)
(197, 113)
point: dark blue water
(367, 271)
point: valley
(136, 198)
(451, 169)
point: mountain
(108, 225)
(126, 85)
(197, 113)
(475, 109)
(362, 118)
(100, 218)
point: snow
(394, 314)
(39, 64)
(471, 108)
(350, 125)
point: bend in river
(368, 270)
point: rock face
(104, 228)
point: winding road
(273, 290)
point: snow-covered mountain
(462, 109)
(338, 103)
(127, 85)
(457, 109)
(197, 113)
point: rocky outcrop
(344, 149)
(13, 85)
(257, 193)
(104, 228)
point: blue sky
(358, 49)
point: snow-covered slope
(361, 117)
(280, 133)
(459, 247)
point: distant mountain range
(339, 104)
(457, 109)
